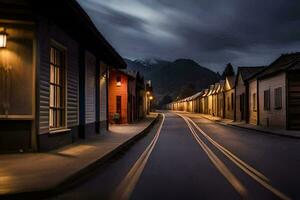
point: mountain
(180, 78)
(146, 66)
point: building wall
(214, 104)
(90, 88)
(115, 91)
(103, 95)
(275, 118)
(132, 103)
(210, 105)
(220, 104)
(49, 34)
(17, 86)
(251, 101)
(229, 110)
(239, 90)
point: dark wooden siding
(293, 103)
(90, 88)
(46, 33)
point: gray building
(53, 71)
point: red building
(121, 97)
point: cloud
(210, 32)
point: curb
(73, 179)
(265, 131)
(252, 129)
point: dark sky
(212, 32)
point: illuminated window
(57, 96)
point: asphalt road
(194, 158)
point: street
(188, 157)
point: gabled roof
(248, 72)
(72, 18)
(230, 80)
(205, 92)
(222, 83)
(283, 63)
(210, 90)
(195, 96)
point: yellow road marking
(128, 184)
(219, 164)
(253, 173)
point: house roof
(205, 92)
(283, 63)
(230, 80)
(71, 17)
(195, 96)
(248, 72)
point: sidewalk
(228, 122)
(38, 172)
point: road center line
(253, 173)
(126, 187)
(218, 163)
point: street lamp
(3, 39)
(151, 97)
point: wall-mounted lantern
(3, 38)
(119, 81)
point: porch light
(3, 38)
(119, 81)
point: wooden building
(220, 93)
(279, 92)
(53, 72)
(229, 97)
(122, 107)
(241, 91)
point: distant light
(151, 97)
(119, 83)
(3, 38)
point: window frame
(277, 102)
(62, 108)
(267, 100)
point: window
(119, 103)
(57, 89)
(267, 100)
(254, 102)
(118, 79)
(278, 98)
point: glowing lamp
(151, 97)
(119, 81)
(3, 38)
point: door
(293, 110)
